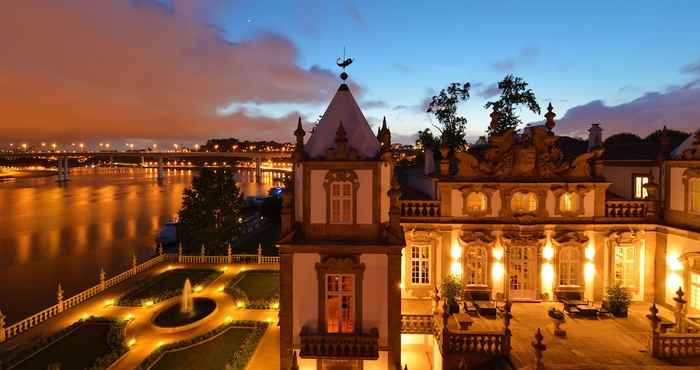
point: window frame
(574, 267)
(467, 265)
(632, 266)
(643, 190)
(332, 178)
(533, 198)
(693, 207)
(341, 293)
(421, 262)
(345, 203)
(694, 290)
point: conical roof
(343, 107)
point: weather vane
(343, 63)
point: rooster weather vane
(343, 63)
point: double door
(522, 272)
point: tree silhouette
(211, 211)
(444, 107)
(623, 138)
(514, 92)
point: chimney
(595, 136)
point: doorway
(522, 272)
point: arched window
(523, 202)
(694, 194)
(341, 202)
(476, 202)
(569, 266)
(568, 202)
(475, 266)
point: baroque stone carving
(523, 237)
(570, 237)
(342, 150)
(476, 237)
(532, 154)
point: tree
(427, 140)
(514, 92)
(674, 137)
(211, 211)
(444, 107)
(623, 138)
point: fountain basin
(169, 319)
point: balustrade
(363, 346)
(417, 324)
(420, 208)
(627, 208)
(677, 345)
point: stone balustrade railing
(363, 346)
(628, 208)
(416, 324)
(676, 345)
(64, 304)
(420, 208)
(488, 343)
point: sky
(182, 71)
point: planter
(454, 306)
(620, 314)
(559, 332)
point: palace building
(526, 216)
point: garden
(166, 285)
(229, 346)
(255, 289)
(93, 343)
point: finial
(679, 296)
(549, 116)
(384, 124)
(299, 133)
(343, 63)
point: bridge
(63, 156)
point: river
(51, 234)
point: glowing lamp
(275, 305)
(132, 342)
(673, 281)
(547, 273)
(589, 271)
(547, 252)
(590, 252)
(240, 304)
(86, 316)
(160, 343)
(497, 252)
(149, 303)
(228, 319)
(497, 270)
(221, 288)
(456, 252)
(128, 316)
(109, 302)
(198, 288)
(456, 268)
(674, 263)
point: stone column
(286, 310)
(59, 167)
(539, 348)
(160, 172)
(59, 297)
(654, 337)
(102, 279)
(2, 327)
(258, 170)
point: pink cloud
(135, 69)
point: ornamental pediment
(530, 155)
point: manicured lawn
(167, 284)
(258, 285)
(77, 350)
(213, 354)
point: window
(569, 266)
(341, 202)
(625, 265)
(476, 202)
(340, 309)
(475, 266)
(420, 264)
(523, 202)
(695, 290)
(639, 191)
(694, 194)
(568, 202)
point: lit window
(523, 202)
(420, 264)
(695, 290)
(694, 194)
(475, 265)
(340, 309)
(625, 265)
(569, 266)
(341, 202)
(568, 202)
(640, 192)
(476, 202)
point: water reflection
(51, 233)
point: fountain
(185, 313)
(186, 306)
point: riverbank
(24, 174)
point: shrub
(451, 288)
(618, 298)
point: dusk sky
(187, 70)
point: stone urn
(558, 320)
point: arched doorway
(522, 272)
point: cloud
(677, 108)
(354, 13)
(373, 104)
(489, 91)
(525, 56)
(139, 69)
(692, 68)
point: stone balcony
(358, 346)
(624, 210)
